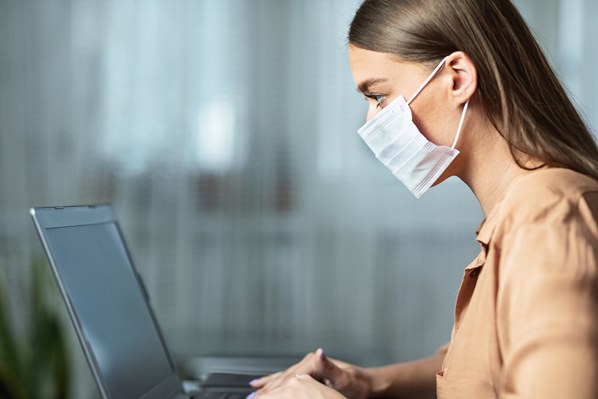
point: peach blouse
(526, 317)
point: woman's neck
(490, 168)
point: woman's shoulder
(559, 182)
(548, 222)
(552, 195)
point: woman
(485, 106)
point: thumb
(327, 371)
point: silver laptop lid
(107, 302)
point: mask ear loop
(434, 72)
(460, 124)
(423, 85)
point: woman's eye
(378, 99)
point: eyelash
(378, 98)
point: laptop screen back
(108, 304)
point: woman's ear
(464, 76)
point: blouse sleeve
(547, 312)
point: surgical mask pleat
(413, 164)
(443, 162)
(398, 107)
(443, 159)
(424, 167)
(387, 126)
(394, 157)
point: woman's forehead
(369, 58)
(367, 65)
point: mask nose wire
(434, 72)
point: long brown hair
(520, 93)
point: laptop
(109, 308)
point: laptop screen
(101, 285)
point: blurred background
(224, 133)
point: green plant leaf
(38, 367)
(11, 366)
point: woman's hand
(345, 378)
(299, 387)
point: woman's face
(382, 77)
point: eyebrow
(364, 87)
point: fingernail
(253, 382)
(323, 355)
(251, 395)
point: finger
(260, 382)
(304, 377)
(304, 366)
(327, 371)
(277, 382)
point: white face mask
(400, 146)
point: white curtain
(224, 134)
